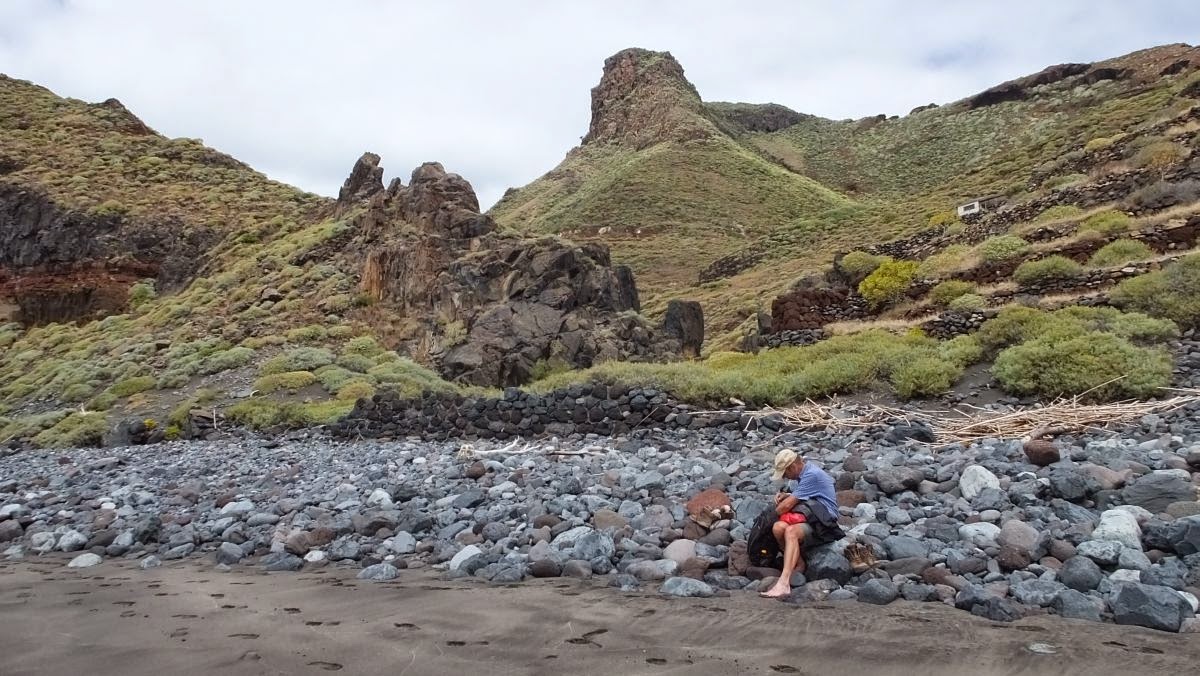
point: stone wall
(578, 409)
(796, 338)
(734, 263)
(814, 308)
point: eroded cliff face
(61, 265)
(486, 306)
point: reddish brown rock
(694, 567)
(1041, 452)
(709, 506)
(475, 470)
(851, 498)
(739, 560)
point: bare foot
(778, 591)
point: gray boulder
(1155, 491)
(1148, 606)
(380, 572)
(1081, 574)
(1075, 605)
(685, 586)
(893, 480)
(281, 561)
(229, 554)
(878, 592)
(1037, 592)
(904, 547)
(826, 563)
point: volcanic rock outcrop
(486, 306)
(59, 264)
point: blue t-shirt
(814, 483)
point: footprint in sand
(129, 613)
(655, 660)
(124, 603)
(784, 669)
(245, 636)
(179, 633)
(327, 666)
(456, 644)
(586, 639)
(291, 611)
(405, 625)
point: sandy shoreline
(188, 618)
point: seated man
(807, 514)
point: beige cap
(783, 460)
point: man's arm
(786, 505)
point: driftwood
(970, 423)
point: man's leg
(792, 536)
(777, 529)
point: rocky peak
(122, 118)
(365, 180)
(644, 98)
(441, 201)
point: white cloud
(499, 91)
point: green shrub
(888, 283)
(299, 359)
(101, 402)
(953, 258)
(859, 264)
(225, 360)
(141, 293)
(261, 413)
(131, 386)
(1119, 252)
(1099, 143)
(950, 289)
(544, 368)
(355, 362)
(454, 333)
(78, 392)
(332, 377)
(290, 380)
(407, 377)
(109, 208)
(28, 426)
(968, 302)
(356, 389)
(1160, 155)
(1048, 269)
(962, 350)
(362, 345)
(924, 376)
(306, 334)
(73, 431)
(1110, 222)
(841, 364)
(943, 218)
(1058, 213)
(1103, 365)
(1002, 248)
(1014, 325)
(1171, 293)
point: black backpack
(761, 546)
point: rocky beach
(1102, 527)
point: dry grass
(893, 325)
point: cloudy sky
(498, 91)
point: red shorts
(792, 518)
